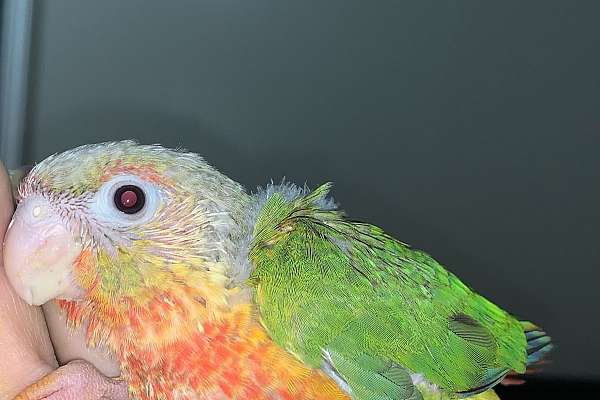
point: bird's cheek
(39, 252)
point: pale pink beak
(39, 252)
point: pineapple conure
(203, 290)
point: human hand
(28, 363)
(27, 353)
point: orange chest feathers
(166, 355)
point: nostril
(35, 210)
(39, 212)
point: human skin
(27, 352)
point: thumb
(6, 201)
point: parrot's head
(117, 225)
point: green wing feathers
(373, 378)
(327, 284)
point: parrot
(203, 290)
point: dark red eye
(129, 199)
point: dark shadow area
(549, 389)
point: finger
(6, 201)
(76, 380)
(16, 176)
(25, 346)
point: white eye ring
(105, 210)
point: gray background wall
(469, 129)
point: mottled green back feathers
(343, 293)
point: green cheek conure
(205, 291)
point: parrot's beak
(39, 253)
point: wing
(346, 297)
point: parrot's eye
(129, 199)
(126, 201)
